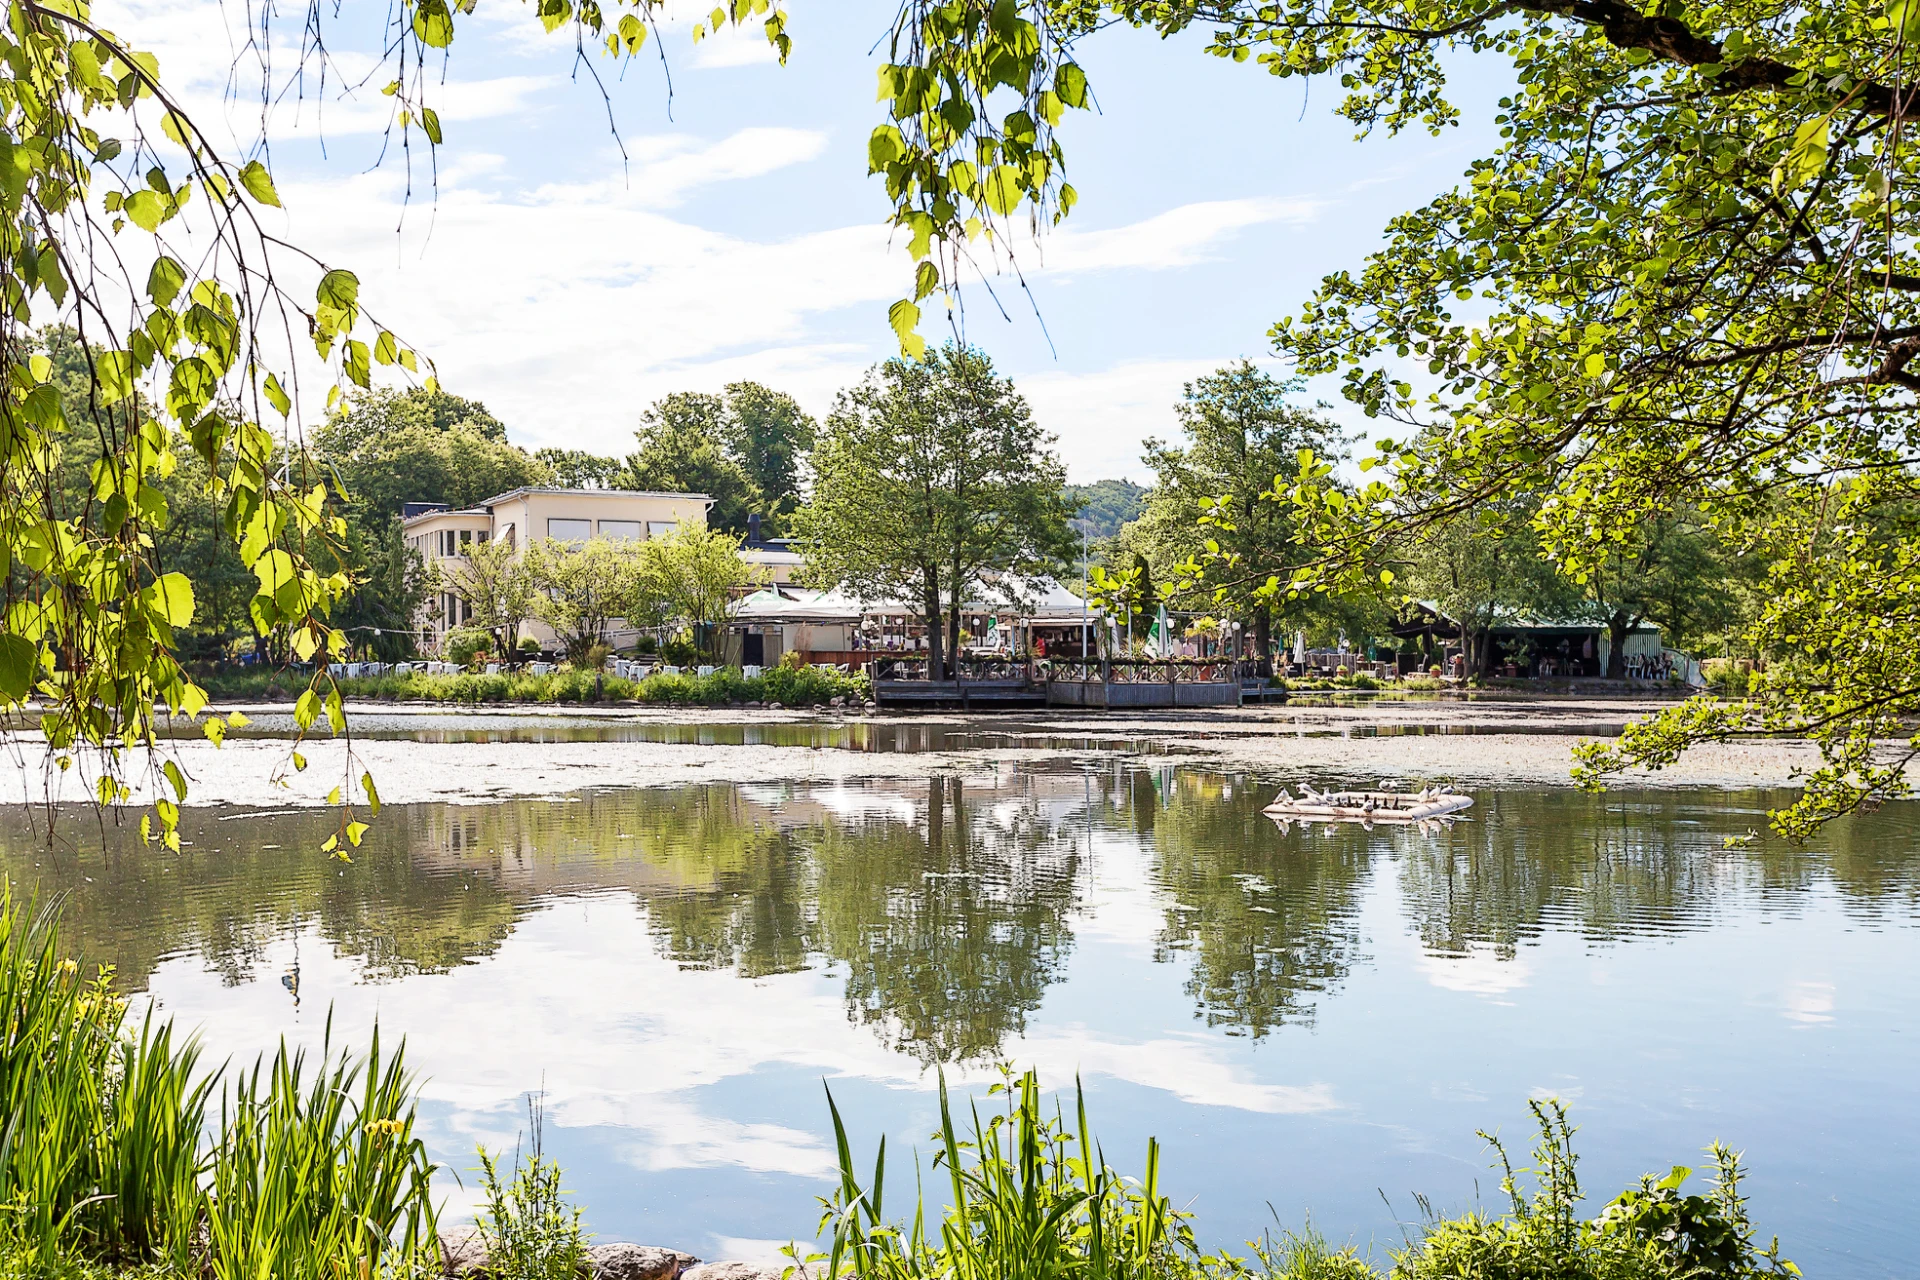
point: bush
(1422, 682)
(465, 645)
(528, 645)
(1727, 678)
(1649, 1233)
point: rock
(638, 1262)
(775, 706)
(463, 1252)
(734, 1271)
(838, 702)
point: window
(481, 537)
(466, 537)
(622, 530)
(661, 528)
(570, 530)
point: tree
(578, 469)
(1105, 505)
(1482, 566)
(930, 481)
(683, 450)
(495, 580)
(769, 435)
(699, 577)
(1671, 570)
(386, 412)
(580, 588)
(390, 452)
(1239, 429)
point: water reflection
(947, 908)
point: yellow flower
(69, 966)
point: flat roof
(591, 493)
(475, 512)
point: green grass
(108, 1159)
(789, 686)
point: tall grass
(107, 1154)
(1031, 1199)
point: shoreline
(1468, 742)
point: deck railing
(1142, 670)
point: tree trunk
(953, 622)
(1618, 624)
(936, 642)
(1263, 641)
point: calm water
(1318, 1022)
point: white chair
(704, 671)
(750, 671)
(493, 668)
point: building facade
(444, 536)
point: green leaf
(170, 596)
(433, 23)
(259, 183)
(277, 396)
(905, 319)
(306, 709)
(1001, 191)
(373, 797)
(165, 280)
(1070, 82)
(430, 121)
(175, 777)
(19, 666)
(146, 209)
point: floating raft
(1366, 806)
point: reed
(1031, 1199)
(107, 1156)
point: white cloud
(1101, 417)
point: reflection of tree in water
(951, 929)
(240, 884)
(1614, 867)
(1265, 918)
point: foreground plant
(108, 1155)
(530, 1230)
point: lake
(1314, 1024)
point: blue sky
(744, 240)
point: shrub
(1650, 1233)
(465, 645)
(530, 1230)
(679, 652)
(529, 645)
(1727, 678)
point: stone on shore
(734, 1271)
(463, 1252)
(639, 1262)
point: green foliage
(930, 481)
(393, 448)
(1651, 1233)
(464, 644)
(793, 687)
(1105, 505)
(578, 469)
(530, 1230)
(109, 1155)
(769, 435)
(1030, 1198)
(684, 449)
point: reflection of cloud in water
(579, 1003)
(1480, 971)
(1810, 1003)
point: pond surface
(1316, 1022)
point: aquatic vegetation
(108, 1156)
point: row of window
(451, 542)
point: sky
(741, 238)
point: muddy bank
(489, 755)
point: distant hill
(1107, 504)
